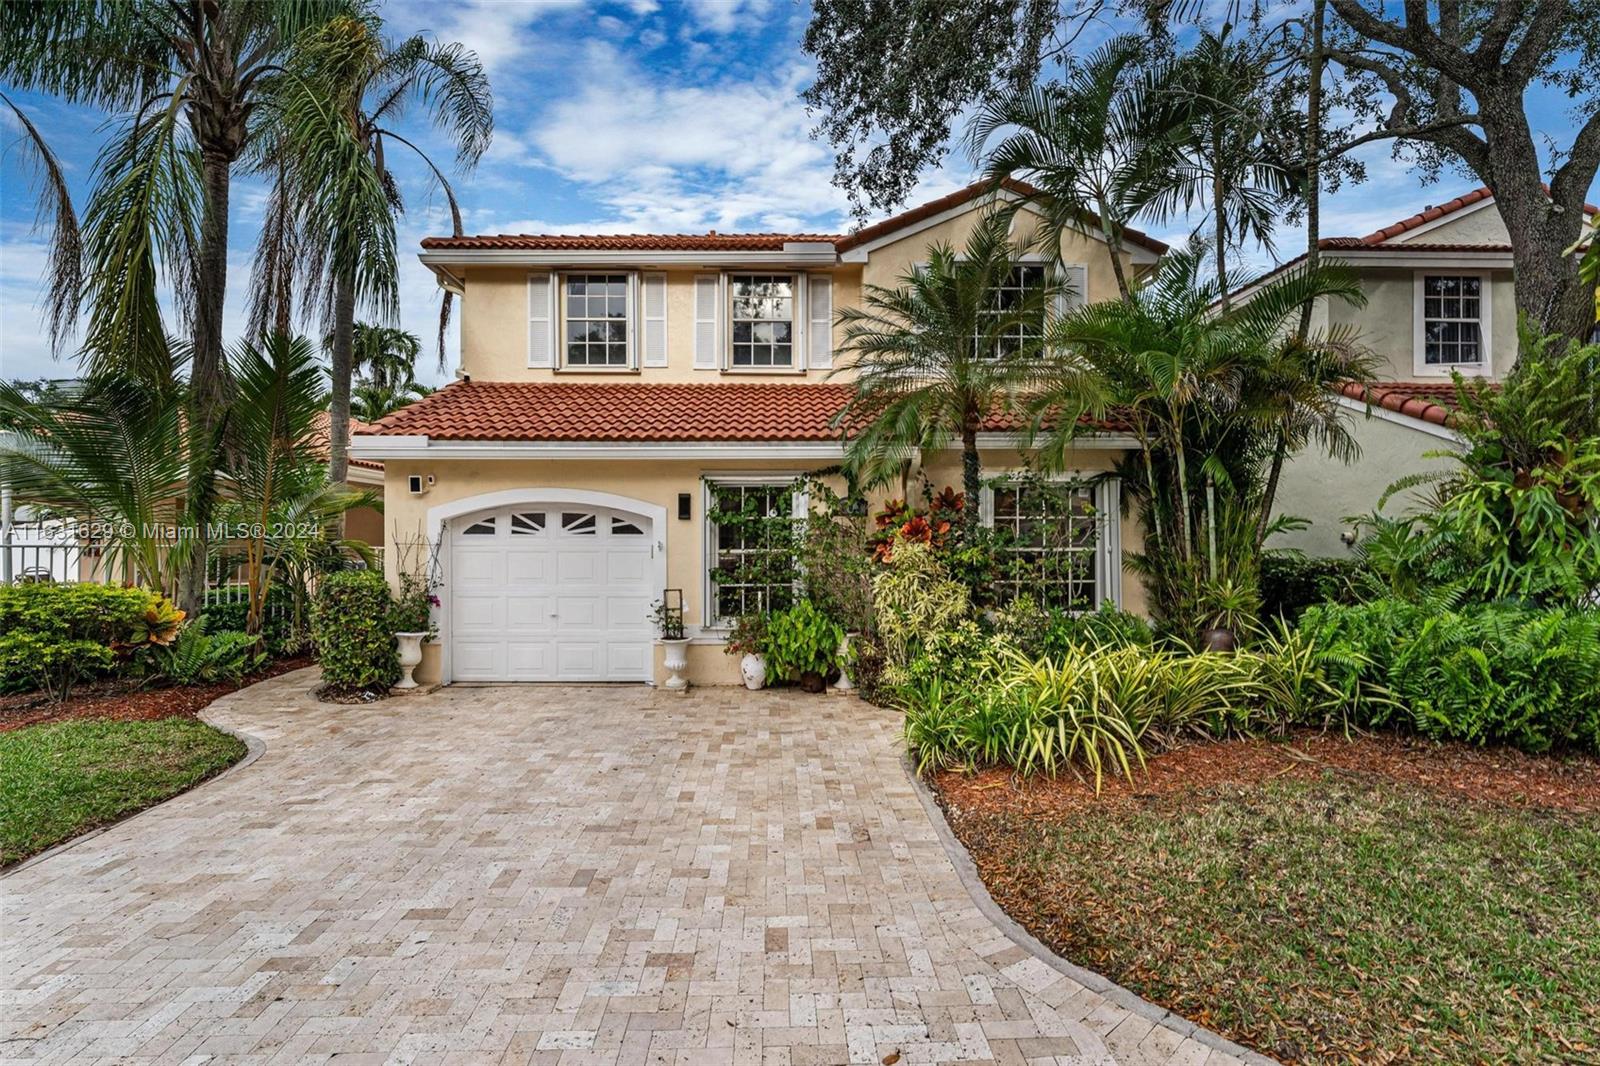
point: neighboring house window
(598, 314)
(762, 320)
(1453, 320)
(1050, 543)
(750, 533)
(1008, 297)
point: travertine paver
(549, 875)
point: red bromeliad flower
(949, 501)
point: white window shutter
(1074, 288)
(655, 319)
(819, 322)
(541, 320)
(707, 321)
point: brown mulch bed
(1491, 775)
(128, 701)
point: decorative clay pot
(410, 656)
(675, 658)
(753, 668)
(844, 684)
(1218, 639)
(811, 681)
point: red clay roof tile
(620, 412)
(1429, 401)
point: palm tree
(113, 453)
(370, 401)
(1094, 148)
(193, 76)
(277, 494)
(385, 356)
(1219, 106)
(1202, 391)
(938, 355)
(328, 224)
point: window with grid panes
(762, 311)
(597, 319)
(1047, 543)
(751, 528)
(1452, 320)
(1009, 296)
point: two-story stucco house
(1440, 300)
(610, 384)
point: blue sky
(642, 115)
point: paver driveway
(558, 875)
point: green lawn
(59, 780)
(1324, 920)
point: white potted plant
(411, 621)
(675, 654)
(748, 640)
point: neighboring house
(610, 385)
(363, 475)
(1439, 300)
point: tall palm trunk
(1114, 247)
(1219, 189)
(1280, 447)
(971, 479)
(344, 317)
(208, 393)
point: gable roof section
(741, 242)
(633, 412)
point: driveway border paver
(967, 871)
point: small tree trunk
(971, 480)
(1219, 188)
(1313, 169)
(344, 316)
(208, 371)
(1269, 495)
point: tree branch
(1577, 173)
(1542, 29)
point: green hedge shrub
(351, 628)
(1291, 583)
(1484, 674)
(52, 636)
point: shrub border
(967, 873)
(254, 746)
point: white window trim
(1108, 517)
(633, 322)
(1419, 348)
(709, 623)
(797, 323)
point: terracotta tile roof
(1438, 211)
(618, 412)
(356, 426)
(634, 242)
(1430, 401)
(957, 198)
(736, 242)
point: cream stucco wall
(657, 483)
(1481, 226)
(1326, 491)
(494, 330)
(1387, 324)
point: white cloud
(725, 16)
(499, 31)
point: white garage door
(551, 592)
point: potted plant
(748, 639)
(1229, 607)
(803, 645)
(411, 622)
(668, 618)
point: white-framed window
(597, 312)
(1057, 540)
(751, 529)
(1007, 297)
(1452, 323)
(761, 321)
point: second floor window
(762, 311)
(1024, 278)
(597, 319)
(1452, 320)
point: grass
(1327, 920)
(63, 779)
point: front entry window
(751, 529)
(1047, 543)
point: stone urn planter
(675, 658)
(410, 656)
(753, 668)
(844, 684)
